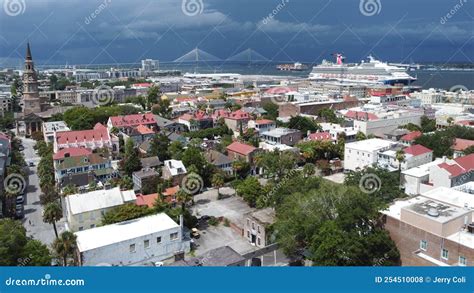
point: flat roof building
(136, 242)
(434, 229)
(85, 210)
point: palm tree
(400, 156)
(52, 213)
(217, 181)
(10, 198)
(65, 246)
(183, 197)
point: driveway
(217, 236)
(33, 221)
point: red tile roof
(99, 133)
(467, 162)
(240, 148)
(361, 115)
(319, 136)
(417, 150)
(148, 199)
(239, 115)
(264, 121)
(71, 152)
(220, 113)
(411, 136)
(145, 84)
(199, 115)
(133, 120)
(463, 165)
(171, 191)
(142, 129)
(185, 99)
(454, 169)
(462, 144)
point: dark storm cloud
(108, 31)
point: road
(33, 221)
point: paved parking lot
(217, 236)
(232, 208)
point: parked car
(20, 199)
(195, 233)
(19, 211)
(204, 218)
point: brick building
(434, 229)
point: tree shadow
(202, 201)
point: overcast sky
(109, 31)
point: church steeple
(28, 52)
(31, 97)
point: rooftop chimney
(181, 226)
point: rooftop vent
(470, 228)
(433, 212)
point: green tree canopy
(337, 224)
(303, 124)
(125, 212)
(131, 162)
(16, 249)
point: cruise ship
(371, 71)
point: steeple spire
(28, 52)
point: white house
(336, 129)
(414, 156)
(85, 210)
(442, 172)
(416, 180)
(136, 242)
(262, 125)
(453, 172)
(174, 170)
(364, 153)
